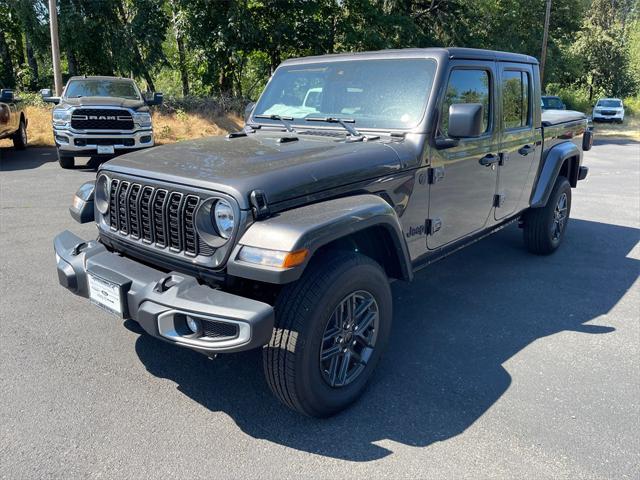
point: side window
(515, 98)
(467, 86)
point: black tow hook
(166, 283)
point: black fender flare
(314, 226)
(553, 161)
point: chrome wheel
(559, 217)
(349, 339)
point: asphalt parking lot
(501, 364)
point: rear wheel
(331, 328)
(65, 161)
(544, 228)
(20, 137)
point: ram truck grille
(157, 216)
(101, 119)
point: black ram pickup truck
(352, 171)
(100, 117)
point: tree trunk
(33, 63)
(6, 74)
(182, 61)
(72, 62)
(137, 56)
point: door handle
(489, 159)
(526, 150)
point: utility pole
(545, 38)
(55, 46)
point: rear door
(462, 188)
(520, 145)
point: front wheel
(544, 228)
(331, 328)
(20, 137)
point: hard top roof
(451, 53)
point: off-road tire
(66, 161)
(539, 223)
(292, 358)
(20, 137)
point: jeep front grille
(156, 216)
(101, 119)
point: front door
(519, 144)
(463, 181)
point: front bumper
(599, 117)
(160, 301)
(73, 141)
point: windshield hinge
(259, 205)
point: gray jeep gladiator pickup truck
(353, 170)
(100, 117)
(13, 119)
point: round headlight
(223, 218)
(102, 194)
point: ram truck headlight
(142, 119)
(61, 117)
(272, 258)
(223, 218)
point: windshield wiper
(284, 120)
(341, 121)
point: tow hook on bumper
(169, 306)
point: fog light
(193, 324)
(145, 139)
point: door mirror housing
(465, 120)
(6, 95)
(155, 98)
(46, 95)
(248, 110)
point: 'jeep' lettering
(419, 230)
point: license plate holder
(105, 149)
(106, 294)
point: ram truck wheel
(20, 137)
(544, 228)
(331, 329)
(65, 161)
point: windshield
(385, 94)
(102, 88)
(610, 103)
(552, 103)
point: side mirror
(248, 110)
(154, 98)
(46, 95)
(465, 120)
(6, 95)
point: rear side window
(515, 98)
(467, 86)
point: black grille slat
(145, 214)
(123, 217)
(132, 206)
(113, 205)
(188, 226)
(101, 119)
(174, 209)
(158, 218)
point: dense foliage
(230, 47)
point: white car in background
(609, 109)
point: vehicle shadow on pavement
(35, 157)
(454, 327)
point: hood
(283, 171)
(102, 102)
